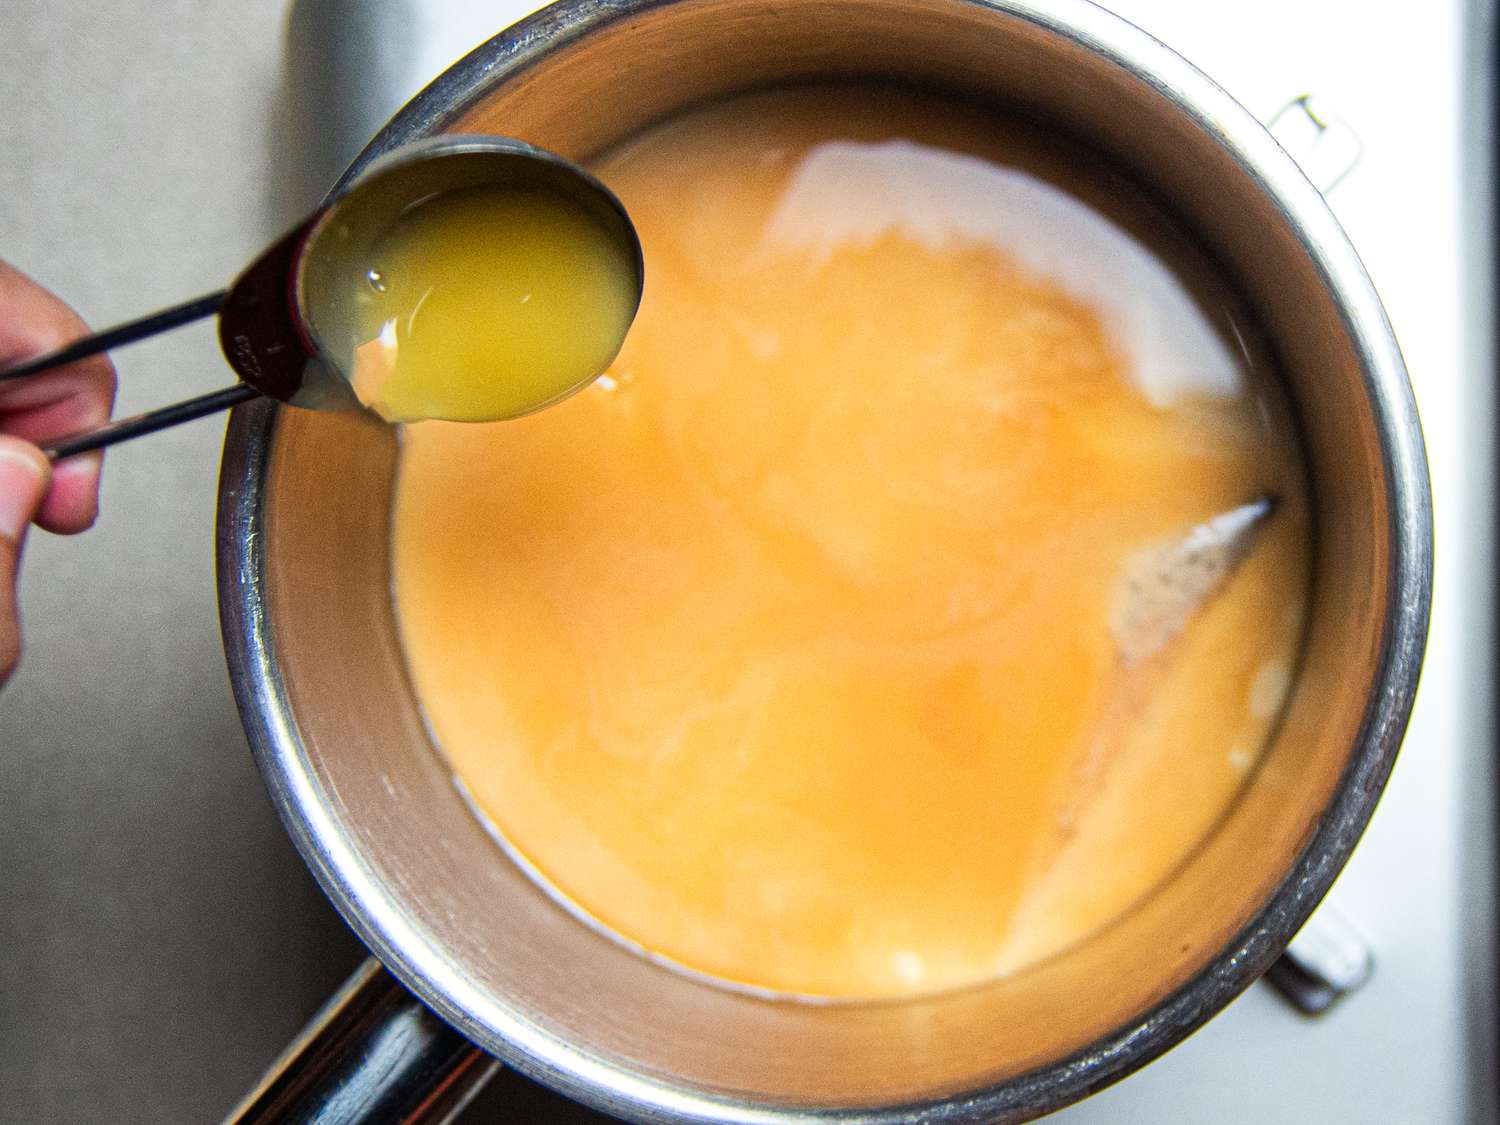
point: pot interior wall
(537, 978)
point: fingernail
(83, 466)
(80, 464)
(23, 483)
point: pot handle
(1318, 139)
(374, 1053)
(1326, 961)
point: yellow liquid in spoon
(488, 303)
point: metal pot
(304, 528)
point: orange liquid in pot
(791, 649)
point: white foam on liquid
(851, 193)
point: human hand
(64, 500)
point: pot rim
(378, 917)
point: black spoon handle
(150, 422)
(121, 334)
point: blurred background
(160, 941)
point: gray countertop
(161, 939)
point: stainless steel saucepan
(304, 584)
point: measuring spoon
(284, 323)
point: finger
(80, 396)
(24, 476)
(50, 406)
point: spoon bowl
(286, 319)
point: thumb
(24, 473)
